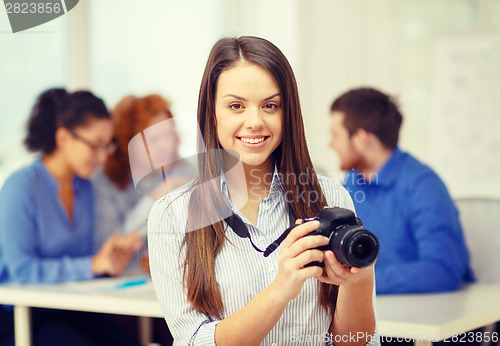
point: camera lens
(362, 249)
(355, 246)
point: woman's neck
(259, 179)
(58, 168)
(246, 193)
(249, 183)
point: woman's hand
(336, 273)
(296, 251)
(115, 254)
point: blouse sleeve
(165, 235)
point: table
(100, 295)
(435, 317)
(423, 317)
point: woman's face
(87, 146)
(249, 113)
(162, 140)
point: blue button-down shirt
(241, 271)
(408, 207)
(38, 241)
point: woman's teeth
(252, 140)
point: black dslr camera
(353, 245)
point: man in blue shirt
(401, 200)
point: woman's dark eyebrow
(272, 96)
(244, 99)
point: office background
(440, 58)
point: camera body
(353, 245)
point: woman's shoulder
(172, 207)
(168, 216)
(24, 177)
(328, 185)
(335, 194)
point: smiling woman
(212, 284)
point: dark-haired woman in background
(46, 217)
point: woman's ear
(62, 136)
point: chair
(480, 218)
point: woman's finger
(310, 272)
(335, 269)
(306, 243)
(307, 257)
(300, 231)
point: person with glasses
(96, 148)
(47, 218)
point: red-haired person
(214, 286)
(128, 184)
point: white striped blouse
(241, 271)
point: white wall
(162, 46)
(391, 45)
(30, 61)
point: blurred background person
(401, 200)
(128, 183)
(46, 218)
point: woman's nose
(254, 118)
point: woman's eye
(236, 106)
(271, 106)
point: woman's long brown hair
(130, 116)
(292, 157)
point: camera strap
(241, 230)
